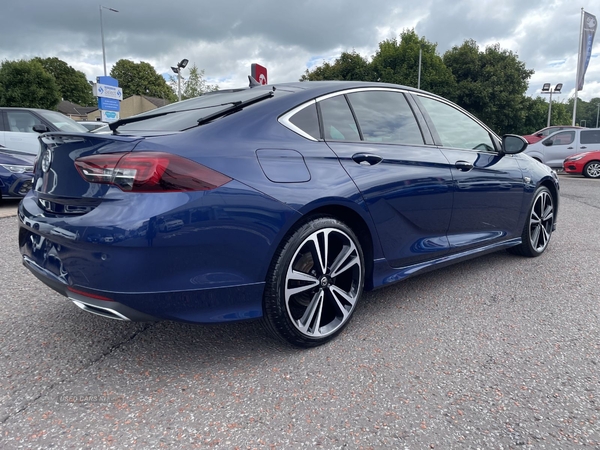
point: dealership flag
(585, 47)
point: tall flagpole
(579, 52)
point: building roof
(72, 109)
(158, 102)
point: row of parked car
(19, 144)
(576, 150)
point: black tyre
(538, 226)
(314, 283)
(592, 169)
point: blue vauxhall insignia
(279, 202)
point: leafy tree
(587, 112)
(536, 115)
(26, 84)
(348, 67)
(398, 62)
(195, 85)
(141, 79)
(490, 84)
(73, 84)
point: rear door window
(590, 137)
(385, 116)
(338, 121)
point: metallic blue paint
(204, 256)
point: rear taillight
(149, 172)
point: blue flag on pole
(585, 47)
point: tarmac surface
(498, 352)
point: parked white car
(553, 150)
(20, 127)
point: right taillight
(149, 172)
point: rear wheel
(592, 169)
(314, 283)
(538, 227)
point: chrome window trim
(285, 120)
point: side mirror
(539, 135)
(548, 142)
(513, 144)
(39, 128)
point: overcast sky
(224, 37)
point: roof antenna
(253, 82)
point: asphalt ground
(498, 352)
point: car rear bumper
(149, 258)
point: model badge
(46, 160)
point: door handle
(464, 166)
(571, 148)
(367, 159)
(583, 148)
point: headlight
(17, 169)
(576, 157)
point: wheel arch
(360, 225)
(548, 183)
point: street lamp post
(597, 114)
(547, 90)
(102, 33)
(180, 65)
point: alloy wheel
(323, 282)
(592, 170)
(541, 221)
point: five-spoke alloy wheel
(314, 283)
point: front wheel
(538, 227)
(314, 283)
(592, 170)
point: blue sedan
(280, 202)
(16, 174)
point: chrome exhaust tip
(99, 310)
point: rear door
(405, 182)
(589, 140)
(488, 186)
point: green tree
(26, 84)
(587, 112)
(536, 115)
(398, 62)
(73, 84)
(491, 84)
(195, 85)
(141, 79)
(349, 67)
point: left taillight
(149, 172)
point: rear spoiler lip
(114, 137)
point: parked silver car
(553, 150)
(20, 127)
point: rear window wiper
(235, 106)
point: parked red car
(541, 134)
(586, 164)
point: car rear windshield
(186, 114)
